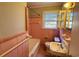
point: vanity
(56, 49)
(60, 49)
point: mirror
(69, 20)
(65, 19)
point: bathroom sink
(55, 46)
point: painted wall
(36, 24)
(12, 18)
(74, 45)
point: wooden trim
(27, 15)
(14, 47)
(64, 11)
(11, 37)
(45, 6)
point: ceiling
(44, 4)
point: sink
(55, 46)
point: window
(50, 20)
(70, 23)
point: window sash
(50, 20)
